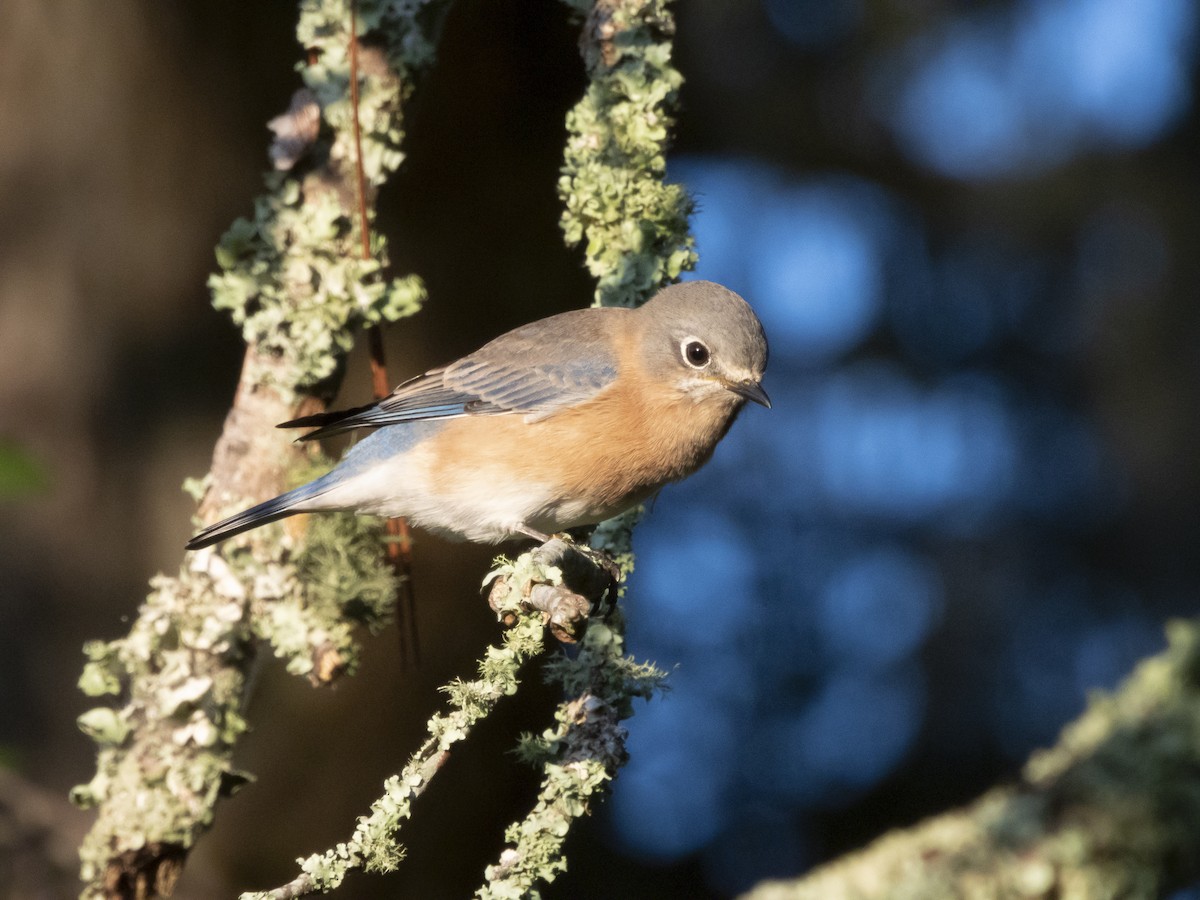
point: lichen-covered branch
(1113, 810)
(579, 756)
(632, 224)
(289, 279)
(583, 752)
(634, 228)
(373, 846)
(582, 578)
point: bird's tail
(294, 501)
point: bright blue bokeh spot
(814, 256)
(878, 608)
(727, 195)
(671, 798)
(820, 273)
(992, 95)
(698, 564)
(888, 448)
(856, 729)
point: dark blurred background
(970, 230)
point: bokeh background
(970, 229)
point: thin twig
(373, 845)
(360, 176)
(399, 547)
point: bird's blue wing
(534, 370)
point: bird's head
(707, 341)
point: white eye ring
(695, 352)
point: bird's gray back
(542, 367)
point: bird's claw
(590, 572)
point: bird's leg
(586, 571)
(529, 531)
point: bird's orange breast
(597, 458)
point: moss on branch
(1112, 810)
(291, 276)
(632, 224)
(374, 845)
(579, 756)
(290, 279)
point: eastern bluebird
(563, 422)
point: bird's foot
(556, 546)
(585, 571)
(598, 558)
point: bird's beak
(752, 390)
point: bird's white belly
(476, 506)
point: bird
(561, 423)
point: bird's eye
(696, 353)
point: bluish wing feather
(534, 370)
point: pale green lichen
(323, 579)
(537, 840)
(603, 669)
(633, 225)
(293, 276)
(337, 580)
(103, 671)
(179, 667)
(292, 279)
(580, 755)
(373, 846)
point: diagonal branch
(373, 846)
(1113, 810)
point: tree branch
(634, 227)
(1113, 810)
(290, 279)
(632, 224)
(373, 845)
